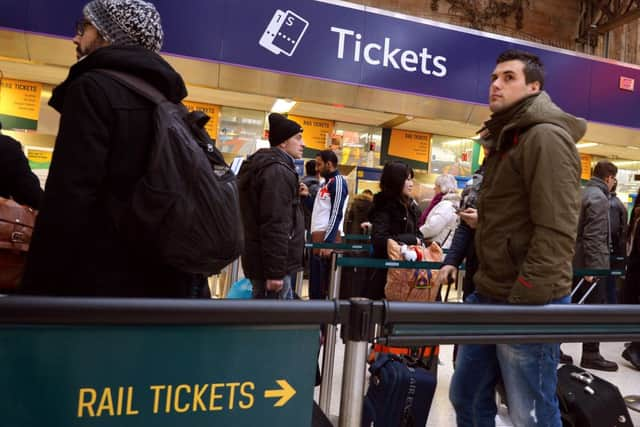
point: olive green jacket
(528, 207)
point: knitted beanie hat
(281, 129)
(126, 22)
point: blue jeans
(527, 370)
(260, 289)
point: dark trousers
(319, 270)
(597, 296)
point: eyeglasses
(81, 26)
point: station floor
(442, 415)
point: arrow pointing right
(285, 393)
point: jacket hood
(133, 60)
(599, 184)
(452, 197)
(267, 156)
(363, 197)
(543, 110)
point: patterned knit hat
(126, 22)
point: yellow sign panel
(39, 156)
(315, 131)
(20, 99)
(213, 111)
(585, 163)
(410, 145)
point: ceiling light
(587, 144)
(633, 147)
(282, 106)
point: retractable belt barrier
(161, 362)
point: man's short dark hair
(604, 169)
(533, 67)
(310, 168)
(328, 156)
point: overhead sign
(410, 145)
(19, 104)
(213, 111)
(157, 376)
(316, 132)
(40, 162)
(585, 164)
(351, 43)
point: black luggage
(400, 393)
(587, 400)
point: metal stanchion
(299, 283)
(330, 339)
(355, 362)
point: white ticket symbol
(284, 32)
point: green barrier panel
(339, 246)
(595, 272)
(157, 375)
(383, 263)
(364, 237)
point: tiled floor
(627, 379)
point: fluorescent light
(587, 144)
(633, 147)
(282, 106)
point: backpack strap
(136, 84)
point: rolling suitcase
(401, 390)
(587, 400)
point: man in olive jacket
(527, 220)
(272, 211)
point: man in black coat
(272, 211)
(102, 147)
(16, 179)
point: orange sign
(316, 131)
(410, 145)
(213, 111)
(585, 163)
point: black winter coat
(271, 214)
(16, 179)
(390, 219)
(101, 151)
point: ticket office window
(240, 130)
(357, 145)
(451, 155)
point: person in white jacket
(442, 218)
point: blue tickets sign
(349, 43)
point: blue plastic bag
(242, 289)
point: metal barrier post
(328, 355)
(357, 335)
(299, 283)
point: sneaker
(597, 362)
(565, 359)
(632, 356)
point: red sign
(627, 83)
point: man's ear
(534, 87)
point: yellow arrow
(285, 393)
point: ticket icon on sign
(284, 32)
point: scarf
(436, 199)
(498, 121)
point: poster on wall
(585, 164)
(19, 104)
(213, 111)
(410, 147)
(316, 131)
(40, 162)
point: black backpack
(185, 208)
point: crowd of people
(522, 225)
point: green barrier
(383, 263)
(364, 237)
(339, 246)
(597, 272)
(157, 374)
